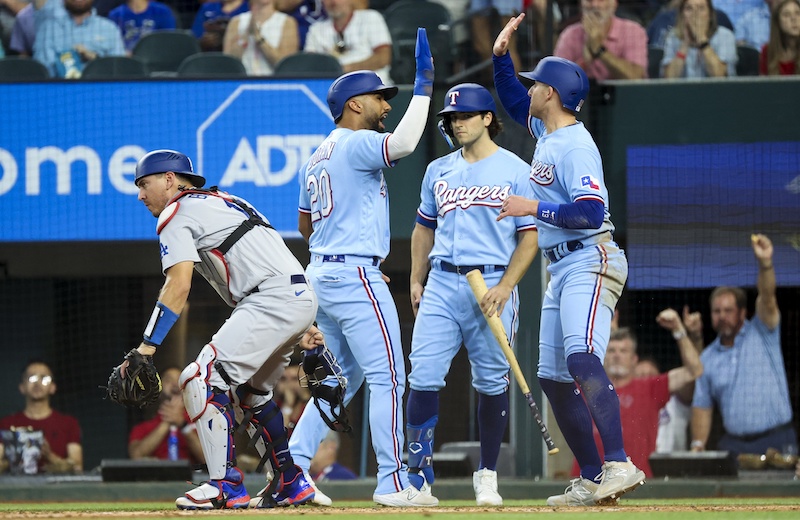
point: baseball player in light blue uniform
(587, 268)
(456, 232)
(344, 215)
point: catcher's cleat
(296, 492)
(618, 479)
(484, 482)
(228, 493)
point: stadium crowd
(611, 39)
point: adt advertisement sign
(68, 150)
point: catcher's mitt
(135, 382)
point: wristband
(161, 320)
(680, 55)
(697, 444)
(678, 334)
(547, 211)
(702, 46)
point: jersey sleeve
(582, 174)
(660, 390)
(176, 242)
(368, 151)
(427, 213)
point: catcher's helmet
(354, 84)
(566, 77)
(466, 97)
(161, 161)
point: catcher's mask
(322, 375)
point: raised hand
(501, 43)
(762, 247)
(423, 81)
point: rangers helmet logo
(454, 97)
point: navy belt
(376, 260)
(464, 269)
(293, 279)
(562, 250)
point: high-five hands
(423, 81)
(501, 43)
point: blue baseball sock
(575, 423)
(422, 414)
(492, 422)
(602, 400)
(421, 406)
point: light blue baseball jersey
(344, 192)
(343, 188)
(566, 167)
(462, 200)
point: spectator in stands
(24, 32)
(65, 43)
(744, 373)
(607, 47)
(641, 399)
(149, 439)
(8, 13)
(735, 9)
(781, 55)
(304, 12)
(673, 419)
(212, 20)
(324, 466)
(482, 32)
(261, 37)
(62, 451)
(359, 39)
(697, 47)
(665, 20)
(753, 28)
(138, 18)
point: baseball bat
(479, 289)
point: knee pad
(211, 410)
(420, 451)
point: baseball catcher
(230, 383)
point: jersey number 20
(320, 195)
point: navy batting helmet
(468, 97)
(162, 161)
(354, 84)
(566, 77)
(465, 97)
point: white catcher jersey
(193, 224)
(566, 167)
(462, 200)
(343, 188)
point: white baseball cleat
(484, 482)
(618, 479)
(320, 498)
(580, 492)
(409, 497)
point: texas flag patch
(591, 182)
